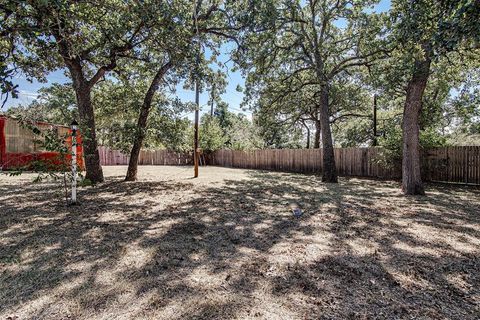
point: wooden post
(212, 97)
(197, 98)
(195, 145)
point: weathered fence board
(446, 164)
(109, 157)
(453, 164)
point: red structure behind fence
(20, 147)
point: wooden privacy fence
(109, 157)
(452, 164)
(448, 164)
(349, 161)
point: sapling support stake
(74, 162)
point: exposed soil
(227, 246)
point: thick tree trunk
(329, 169)
(411, 175)
(137, 144)
(142, 123)
(316, 141)
(308, 138)
(308, 134)
(87, 124)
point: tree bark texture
(329, 169)
(316, 141)
(83, 89)
(142, 122)
(411, 172)
(308, 138)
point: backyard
(227, 245)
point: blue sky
(28, 90)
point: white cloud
(28, 94)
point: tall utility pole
(197, 99)
(195, 147)
(374, 120)
(213, 97)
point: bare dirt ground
(227, 246)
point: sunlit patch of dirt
(227, 246)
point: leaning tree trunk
(87, 125)
(308, 134)
(137, 144)
(329, 169)
(316, 141)
(142, 123)
(411, 175)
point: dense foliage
(316, 72)
(116, 108)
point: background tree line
(315, 70)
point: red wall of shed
(22, 159)
(3, 146)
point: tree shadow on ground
(180, 250)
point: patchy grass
(226, 245)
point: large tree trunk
(316, 141)
(137, 143)
(329, 169)
(308, 134)
(411, 176)
(142, 123)
(308, 138)
(87, 124)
